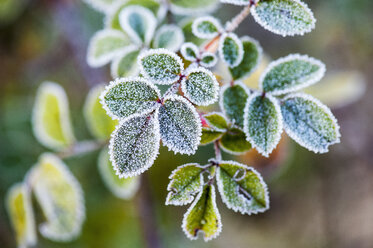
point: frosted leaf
(51, 117)
(139, 23)
(127, 96)
(124, 188)
(237, 2)
(180, 125)
(263, 122)
(19, 208)
(217, 121)
(203, 216)
(309, 122)
(284, 17)
(234, 142)
(200, 86)
(231, 49)
(170, 37)
(189, 51)
(160, 66)
(251, 59)
(233, 101)
(291, 73)
(60, 197)
(186, 182)
(208, 60)
(125, 63)
(206, 27)
(186, 25)
(210, 135)
(242, 188)
(105, 45)
(99, 123)
(101, 5)
(192, 7)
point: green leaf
(234, 141)
(60, 196)
(19, 208)
(128, 96)
(99, 123)
(51, 117)
(309, 122)
(210, 135)
(200, 86)
(284, 17)
(101, 5)
(233, 101)
(206, 27)
(189, 51)
(186, 25)
(203, 216)
(186, 182)
(291, 73)
(180, 125)
(242, 188)
(160, 66)
(208, 60)
(237, 2)
(135, 144)
(251, 59)
(170, 37)
(192, 7)
(125, 64)
(263, 122)
(231, 49)
(124, 188)
(217, 121)
(105, 45)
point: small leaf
(105, 45)
(217, 121)
(291, 73)
(160, 66)
(242, 188)
(180, 125)
(309, 122)
(284, 17)
(263, 122)
(231, 49)
(128, 96)
(234, 141)
(206, 27)
(203, 215)
(237, 2)
(208, 60)
(51, 117)
(99, 123)
(186, 181)
(100, 5)
(19, 208)
(170, 37)
(192, 7)
(250, 61)
(124, 188)
(60, 197)
(135, 144)
(125, 64)
(186, 25)
(210, 135)
(200, 86)
(189, 51)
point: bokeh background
(316, 200)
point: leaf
(160, 66)
(233, 100)
(250, 61)
(100, 5)
(186, 25)
(234, 142)
(189, 51)
(208, 60)
(263, 122)
(170, 37)
(135, 144)
(237, 2)
(180, 125)
(242, 188)
(210, 135)
(125, 64)
(200, 86)
(51, 118)
(309, 122)
(139, 23)
(217, 121)
(206, 27)
(60, 197)
(231, 49)
(105, 45)
(124, 188)
(99, 123)
(186, 181)
(203, 215)
(192, 7)
(291, 73)
(284, 17)
(128, 96)
(19, 208)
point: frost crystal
(206, 27)
(217, 121)
(231, 49)
(125, 63)
(210, 135)
(170, 37)
(189, 51)
(101, 5)
(237, 2)
(208, 60)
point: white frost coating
(236, 2)
(177, 10)
(316, 77)
(100, 5)
(301, 142)
(202, 93)
(164, 80)
(211, 63)
(147, 17)
(115, 64)
(212, 126)
(173, 44)
(240, 51)
(193, 47)
(206, 35)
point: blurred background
(316, 200)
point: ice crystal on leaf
(170, 37)
(189, 51)
(237, 2)
(125, 63)
(231, 49)
(206, 27)
(210, 135)
(217, 121)
(208, 60)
